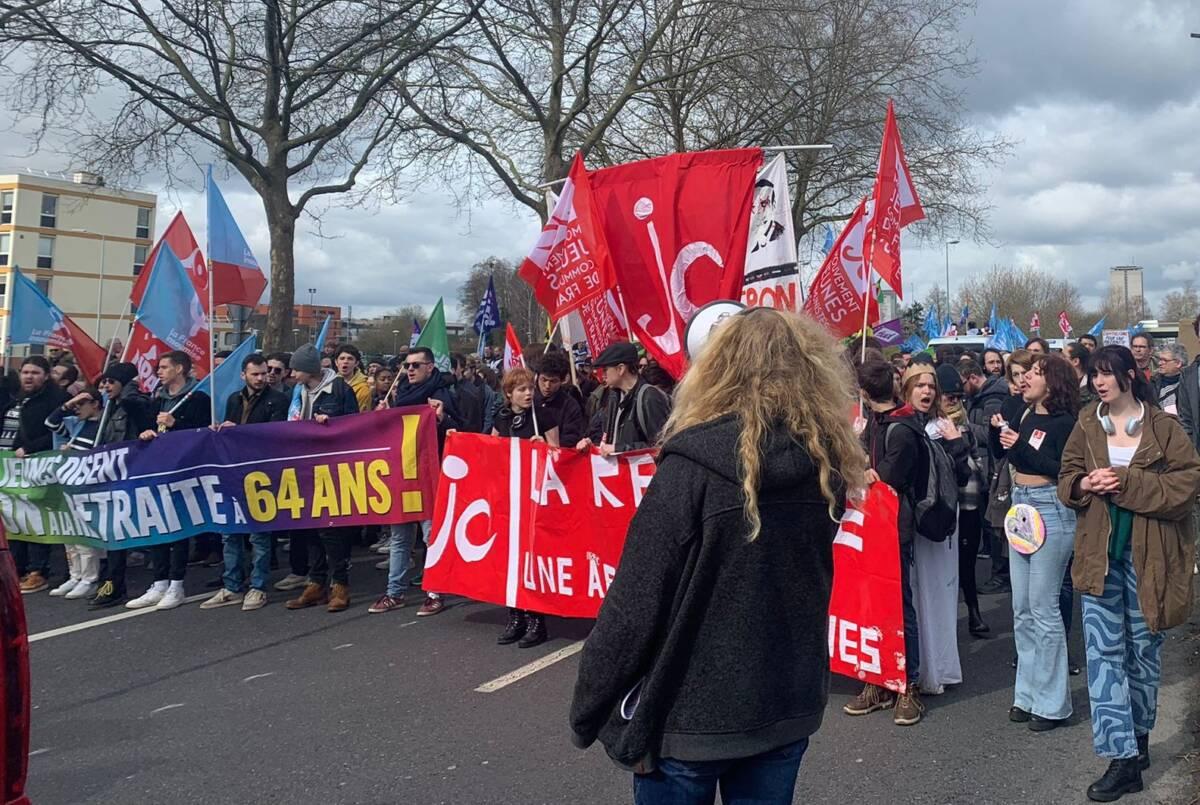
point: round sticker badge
(1025, 529)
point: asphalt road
(222, 706)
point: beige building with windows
(81, 242)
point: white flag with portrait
(771, 278)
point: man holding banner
(181, 406)
(255, 404)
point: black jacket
(568, 413)
(980, 409)
(194, 412)
(469, 402)
(434, 388)
(904, 465)
(128, 415)
(630, 426)
(1188, 402)
(33, 435)
(269, 406)
(728, 635)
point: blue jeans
(234, 550)
(766, 779)
(404, 536)
(1124, 663)
(1042, 685)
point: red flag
(1035, 323)
(894, 204)
(179, 237)
(1064, 323)
(676, 229)
(836, 296)
(570, 263)
(90, 357)
(603, 323)
(514, 355)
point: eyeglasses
(411, 366)
(275, 370)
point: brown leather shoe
(33, 582)
(313, 595)
(339, 599)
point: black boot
(535, 631)
(975, 624)
(515, 629)
(1123, 777)
(1143, 751)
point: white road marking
(166, 707)
(41, 751)
(530, 669)
(410, 623)
(342, 646)
(253, 677)
(132, 613)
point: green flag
(434, 337)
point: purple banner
(367, 469)
(890, 333)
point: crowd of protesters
(1072, 473)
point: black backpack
(935, 514)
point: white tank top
(1121, 456)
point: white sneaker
(222, 598)
(385, 547)
(84, 589)
(290, 582)
(173, 597)
(384, 565)
(64, 588)
(149, 598)
(255, 599)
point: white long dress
(935, 596)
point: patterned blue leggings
(1123, 663)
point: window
(45, 252)
(6, 207)
(5, 245)
(49, 211)
(143, 222)
(3, 292)
(43, 285)
(139, 259)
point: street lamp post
(949, 243)
(296, 336)
(395, 341)
(311, 293)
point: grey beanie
(306, 359)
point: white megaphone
(704, 322)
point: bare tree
(1181, 305)
(297, 97)
(390, 333)
(1018, 293)
(518, 306)
(529, 84)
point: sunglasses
(411, 366)
(275, 370)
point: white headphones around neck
(1132, 426)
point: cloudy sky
(1100, 98)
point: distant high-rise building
(889, 305)
(1125, 289)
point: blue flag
(416, 334)
(320, 342)
(992, 322)
(171, 309)
(1019, 338)
(1098, 328)
(827, 246)
(912, 344)
(487, 318)
(962, 320)
(226, 379)
(1135, 329)
(931, 323)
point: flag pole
(117, 329)
(212, 330)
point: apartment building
(80, 241)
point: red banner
(570, 263)
(521, 524)
(602, 323)
(676, 229)
(866, 620)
